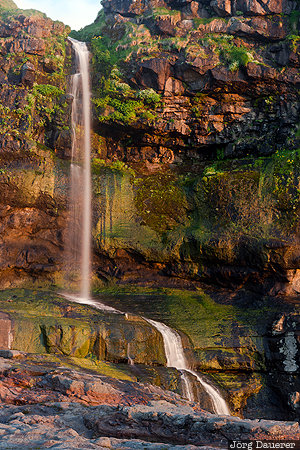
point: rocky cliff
(200, 99)
(195, 178)
(225, 77)
(53, 405)
(34, 118)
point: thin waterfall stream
(175, 358)
(78, 245)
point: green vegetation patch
(30, 112)
(161, 12)
(223, 335)
(233, 53)
(103, 368)
(160, 202)
(114, 99)
(35, 303)
(100, 167)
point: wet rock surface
(242, 348)
(195, 207)
(200, 103)
(46, 323)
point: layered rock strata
(34, 113)
(79, 411)
(227, 74)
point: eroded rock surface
(201, 101)
(50, 412)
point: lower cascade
(175, 358)
(79, 235)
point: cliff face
(34, 113)
(195, 172)
(226, 73)
(200, 100)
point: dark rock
(28, 74)
(159, 421)
(252, 7)
(154, 73)
(10, 354)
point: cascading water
(175, 358)
(78, 246)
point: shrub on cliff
(149, 96)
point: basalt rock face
(227, 73)
(34, 117)
(204, 8)
(201, 100)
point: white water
(174, 355)
(130, 360)
(175, 358)
(79, 230)
(89, 301)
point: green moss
(160, 11)
(204, 21)
(101, 367)
(100, 166)
(160, 202)
(223, 336)
(47, 90)
(117, 101)
(294, 20)
(208, 214)
(8, 4)
(238, 387)
(32, 118)
(149, 96)
(35, 303)
(11, 10)
(235, 56)
(294, 41)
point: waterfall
(78, 245)
(174, 355)
(175, 358)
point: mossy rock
(45, 322)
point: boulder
(28, 74)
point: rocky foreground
(46, 405)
